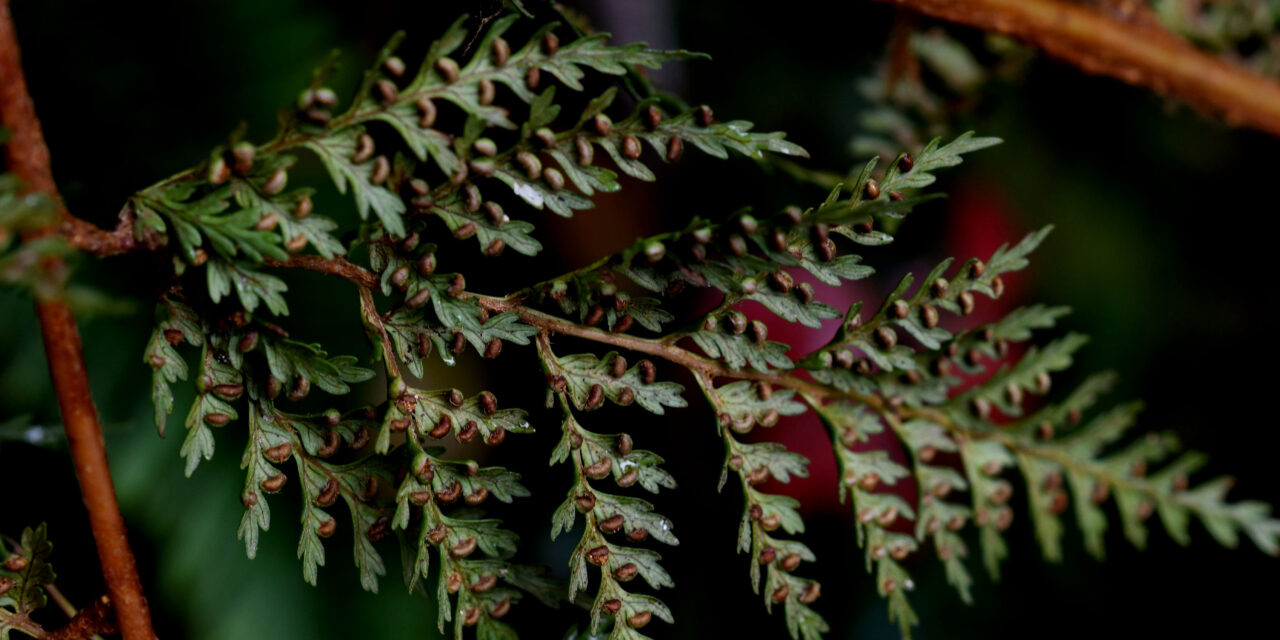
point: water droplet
(35, 435)
(528, 193)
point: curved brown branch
(338, 266)
(368, 280)
(665, 350)
(369, 312)
(88, 238)
(1134, 51)
(28, 158)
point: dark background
(1162, 247)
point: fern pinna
(428, 155)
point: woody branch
(27, 157)
(1137, 51)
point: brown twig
(338, 266)
(369, 311)
(88, 238)
(69, 609)
(28, 159)
(1135, 51)
(88, 622)
(366, 281)
(84, 437)
(662, 349)
(666, 350)
(28, 156)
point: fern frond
(463, 149)
(739, 407)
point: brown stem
(67, 608)
(660, 349)
(84, 437)
(338, 266)
(88, 238)
(90, 621)
(1134, 51)
(28, 159)
(374, 321)
(367, 280)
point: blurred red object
(979, 220)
